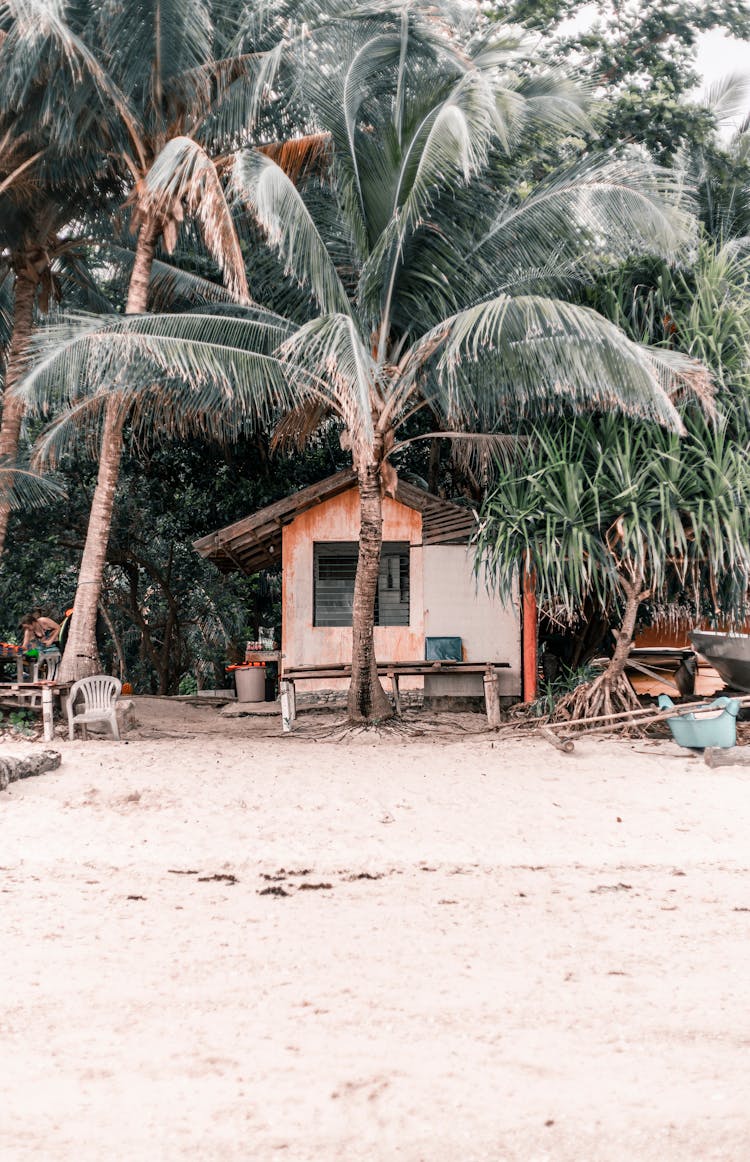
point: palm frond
(475, 454)
(301, 157)
(21, 488)
(224, 98)
(449, 148)
(381, 49)
(85, 354)
(295, 430)
(13, 179)
(164, 40)
(532, 352)
(280, 211)
(610, 207)
(183, 173)
(556, 102)
(77, 427)
(39, 44)
(726, 97)
(328, 357)
(170, 284)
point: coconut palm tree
(180, 93)
(55, 106)
(434, 273)
(194, 89)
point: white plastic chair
(100, 694)
(51, 660)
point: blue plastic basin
(711, 724)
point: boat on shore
(728, 653)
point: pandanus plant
(608, 513)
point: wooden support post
(529, 634)
(286, 693)
(47, 717)
(492, 698)
(396, 693)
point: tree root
(603, 696)
(412, 724)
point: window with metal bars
(335, 566)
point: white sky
(719, 56)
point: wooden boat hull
(728, 653)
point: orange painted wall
(668, 635)
(338, 519)
(664, 637)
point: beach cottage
(429, 604)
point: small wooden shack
(427, 588)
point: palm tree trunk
(27, 283)
(367, 699)
(81, 657)
(140, 276)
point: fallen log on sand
(12, 769)
(732, 756)
(566, 745)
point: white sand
(521, 956)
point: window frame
(396, 613)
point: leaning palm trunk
(611, 692)
(27, 283)
(367, 699)
(81, 657)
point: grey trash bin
(250, 681)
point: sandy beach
(219, 943)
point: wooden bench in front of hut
(394, 671)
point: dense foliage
(639, 57)
(461, 199)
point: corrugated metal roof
(254, 543)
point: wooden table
(26, 694)
(394, 671)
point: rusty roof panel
(254, 543)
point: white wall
(456, 605)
